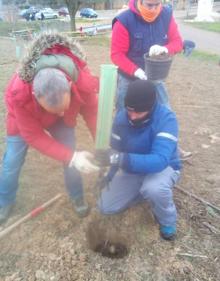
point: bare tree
(73, 6)
(109, 4)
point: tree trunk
(108, 5)
(72, 20)
(72, 6)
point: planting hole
(102, 238)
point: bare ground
(54, 246)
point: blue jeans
(14, 158)
(122, 87)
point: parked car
(29, 14)
(88, 13)
(22, 13)
(46, 13)
(63, 12)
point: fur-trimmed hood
(43, 42)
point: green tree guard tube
(108, 81)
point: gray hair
(51, 84)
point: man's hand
(81, 160)
(139, 73)
(156, 50)
(108, 157)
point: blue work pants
(127, 189)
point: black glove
(108, 157)
(105, 181)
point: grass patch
(210, 26)
(6, 28)
(205, 56)
(84, 20)
(98, 40)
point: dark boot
(81, 207)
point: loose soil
(55, 245)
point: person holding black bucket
(144, 158)
(146, 27)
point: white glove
(157, 50)
(81, 160)
(139, 73)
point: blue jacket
(150, 148)
(143, 35)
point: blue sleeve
(163, 148)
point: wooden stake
(198, 198)
(191, 255)
(211, 227)
(30, 215)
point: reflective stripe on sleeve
(167, 135)
(116, 137)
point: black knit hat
(141, 96)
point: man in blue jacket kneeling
(144, 158)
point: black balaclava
(140, 97)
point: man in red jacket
(43, 100)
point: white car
(46, 13)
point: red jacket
(25, 117)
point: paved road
(205, 40)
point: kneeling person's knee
(107, 209)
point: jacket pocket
(138, 42)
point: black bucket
(157, 67)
